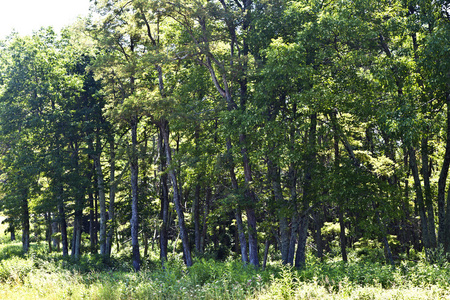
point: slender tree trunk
(48, 231)
(164, 197)
(25, 222)
(427, 191)
(250, 209)
(318, 224)
(274, 177)
(196, 215)
(300, 257)
(342, 236)
(176, 196)
(55, 229)
(91, 222)
(112, 196)
(134, 222)
(101, 196)
(419, 197)
(62, 222)
(308, 194)
(442, 232)
(237, 212)
(266, 253)
(205, 219)
(79, 204)
(295, 221)
(12, 230)
(337, 156)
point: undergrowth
(39, 275)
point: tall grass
(39, 275)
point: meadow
(43, 275)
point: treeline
(230, 126)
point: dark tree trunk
(55, 228)
(91, 222)
(101, 197)
(79, 203)
(442, 231)
(62, 222)
(134, 222)
(237, 212)
(337, 156)
(274, 177)
(295, 221)
(25, 216)
(308, 193)
(49, 231)
(112, 196)
(164, 124)
(164, 197)
(266, 253)
(318, 224)
(196, 213)
(427, 191)
(342, 236)
(205, 219)
(419, 197)
(300, 257)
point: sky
(26, 16)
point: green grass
(39, 275)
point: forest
(257, 136)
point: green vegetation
(229, 148)
(39, 275)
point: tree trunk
(55, 229)
(164, 124)
(102, 203)
(237, 212)
(91, 222)
(112, 196)
(427, 191)
(266, 253)
(49, 231)
(250, 209)
(342, 236)
(205, 219)
(134, 222)
(25, 222)
(62, 222)
(164, 197)
(196, 215)
(442, 232)
(295, 220)
(318, 224)
(300, 257)
(274, 177)
(419, 197)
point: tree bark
(427, 191)
(419, 197)
(442, 231)
(164, 198)
(164, 124)
(205, 219)
(25, 222)
(112, 195)
(101, 197)
(62, 221)
(134, 222)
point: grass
(39, 275)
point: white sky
(26, 16)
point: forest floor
(40, 275)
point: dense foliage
(251, 129)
